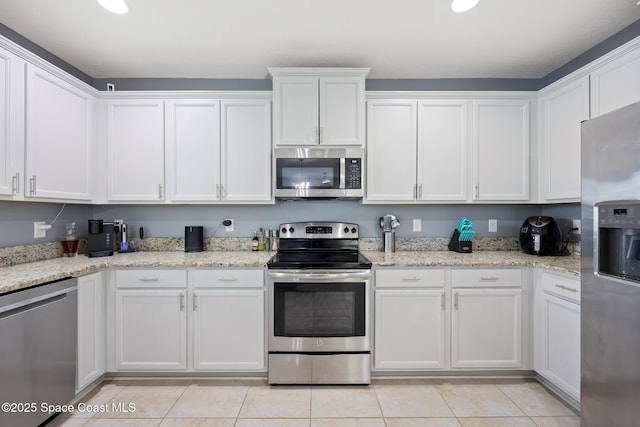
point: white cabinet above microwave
(314, 106)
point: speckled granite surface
(24, 275)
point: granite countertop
(24, 275)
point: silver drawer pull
(566, 288)
(443, 302)
(228, 279)
(149, 279)
(411, 279)
(489, 279)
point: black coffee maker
(101, 238)
(540, 235)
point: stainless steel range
(319, 306)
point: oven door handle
(303, 276)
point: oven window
(319, 309)
(302, 174)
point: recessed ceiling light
(115, 6)
(463, 5)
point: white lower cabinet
(212, 321)
(228, 320)
(486, 328)
(558, 335)
(91, 363)
(151, 329)
(150, 320)
(410, 316)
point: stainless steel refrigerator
(610, 271)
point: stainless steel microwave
(318, 172)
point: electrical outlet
(577, 224)
(40, 229)
(493, 226)
(417, 225)
(231, 223)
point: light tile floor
(384, 403)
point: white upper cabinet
(501, 150)
(11, 126)
(443, 142)
(246, 150)
(616, 83)
(391, 150)
(563, 108)
(193, 150)
(318, 106)
(135, 143)
(58, 126)
(218, 151)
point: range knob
(284, 230)
(346, 229)
(353, 230)
(291, 230)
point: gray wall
(16, 218)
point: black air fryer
(540, 235)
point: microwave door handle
(343, 173)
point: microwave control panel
(353, 173)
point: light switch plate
(493, 226)
(39, 229)
(417, 225)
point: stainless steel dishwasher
(38, 340)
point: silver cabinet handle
(228, 279)
(443, 301)
(477, 189)
(420, 192)
(218, 191)
(566, 288)
(411, 279)
(195, 302)
(149, 279)
(222, 192)
(181, 302)
(32, 185)
(316, 130)
(160, 191)
(415, 191)
(15, 182)
(455, 300)
(489, 279)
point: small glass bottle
(254, 241)
(261, 240)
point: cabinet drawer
(410, 278)
(486, 278)
(151, 278)
(563, 286)
(228, 278)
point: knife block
(460, 246)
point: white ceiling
(241, 38)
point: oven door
(319, 311)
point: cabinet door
(11, 125)
(295, 115)
(151, 330)
(391, 150)
(58, 124)
(342, 115)
(562, 112)
(486, 327)
(228, 329)
(193, 150)
(616, 84)
(409, 328)
(135, 139)
(443, 142)
(561, 335)
(501, 149)
(246, 150)
(91, 330)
